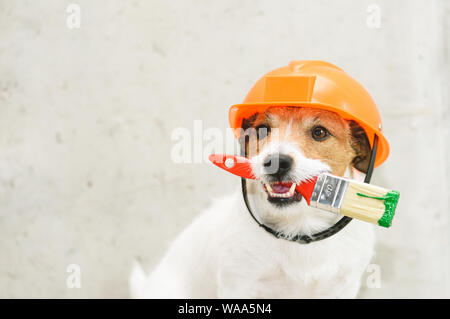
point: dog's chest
(300, 277)
(277, 283)
(289, 273)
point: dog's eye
(319, 133)
(262, 131)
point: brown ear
(246, 124)
(361, 145)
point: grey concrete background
(86, 117)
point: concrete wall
(86, 117)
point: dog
(225, 254)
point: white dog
(225, 254)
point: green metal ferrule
(390, 204)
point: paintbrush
(335, 194)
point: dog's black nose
(278, 165)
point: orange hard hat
(314, 84)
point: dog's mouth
(282, 193)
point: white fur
(225, 254)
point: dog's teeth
(292, 189)
(288, 194)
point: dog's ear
(361, 145)
(246, 124)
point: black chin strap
(306, 239)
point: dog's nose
(278, 165)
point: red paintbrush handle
(237, 165)
(306, 188)
(240, 166)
